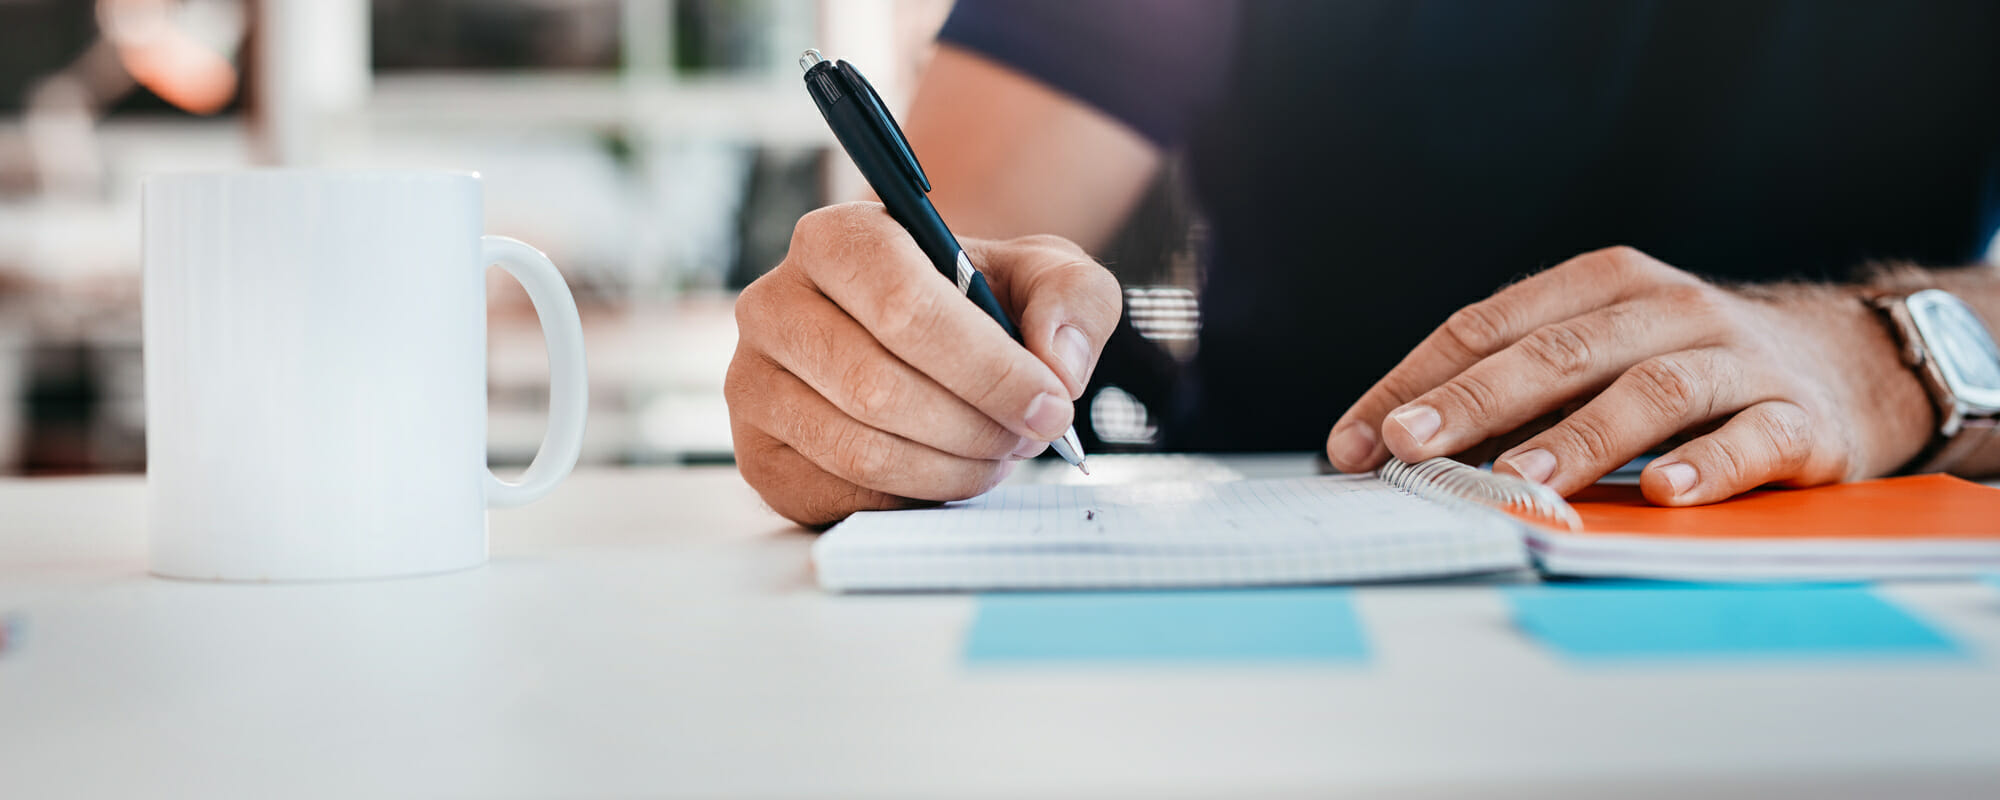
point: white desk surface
(656, 633)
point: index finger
(1479, 330)
(872, 269)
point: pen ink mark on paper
(1089, 514)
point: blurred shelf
(656, 379)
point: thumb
(1065, 303)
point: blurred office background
(659, 150)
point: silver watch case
(1959, 352)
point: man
(1372, 169)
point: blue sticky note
(1633, 622)
(1293, 625)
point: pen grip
(914, 212)
(906, 202)
(982, 295)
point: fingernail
(1679, 475)
(1073, 350)
(1029, 449)
(1354, 445)
(1535, 465)
(1047, 416)
(1421, 422)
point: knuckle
(750, 303)
(808, 433)
(877, 393)
(1395, 389)
(1100, 285)
(1479, 329)
(1669, 387)
(753, 461)
(1565, 351)
(864, 457)
(734, 384)
(837, 243)
(1049, 241)
(761, 464)
(907, 312)
(1787, 431)
(746, 386)
(1621, 260)
(813, 345)
(814, 226)
(1090, 295)
(1590, 438)
(831, 222)
(1062, 267)
(1729, 458)
(1471, 396)
(1094, 294)
(874, 393)
(1694, 299)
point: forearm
(1009, 156)
(1977, 284)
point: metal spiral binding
(1445, 479)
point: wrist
(1906, 403)
(1890, 415)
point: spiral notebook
(1429, 520)
(1401, 523)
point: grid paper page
(1182, 533)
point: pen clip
(886, 124)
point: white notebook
(1405, 523)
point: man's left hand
(1796, 385)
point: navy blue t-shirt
(1370, 166)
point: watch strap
(1968, 434)
(1945, 452)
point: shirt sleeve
(1151, 64)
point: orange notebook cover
(1912, 507)
(1928, 526)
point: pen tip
(1083, 465)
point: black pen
(872, 138)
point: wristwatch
(1955, 358)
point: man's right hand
(864, 380)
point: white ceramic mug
(316, 373)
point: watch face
(1964, 350)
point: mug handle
(569, 388)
